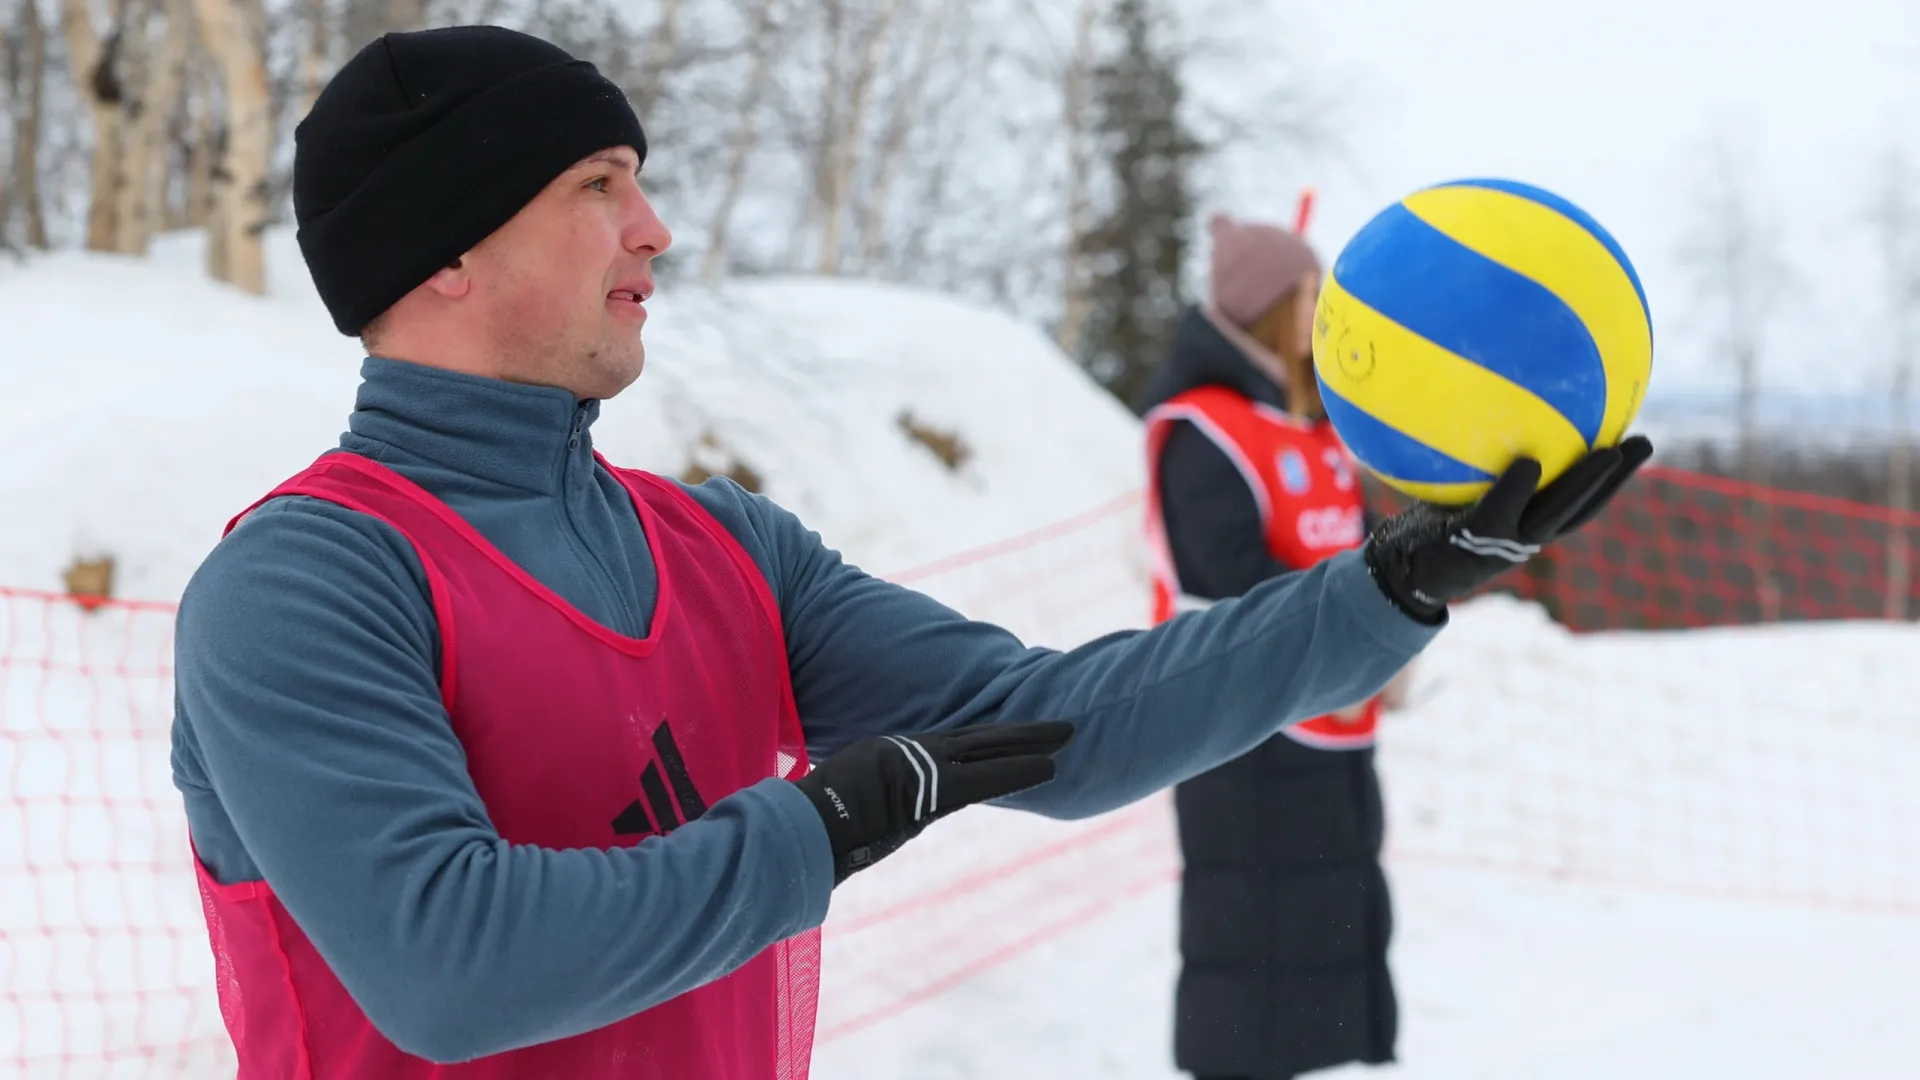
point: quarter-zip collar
(496, 432)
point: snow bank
(145, 405)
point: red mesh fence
(1682, 550)
(104, 964)
(1679, 550)
(1769, 763)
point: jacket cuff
(808, 863)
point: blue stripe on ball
(1388, 451)
(1511, 322)
(1577, 215)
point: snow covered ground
(1499, 975)
(1687, 855)
(1678, 855)
(1674, 855)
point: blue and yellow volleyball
(1474, 322)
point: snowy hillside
(146, 405)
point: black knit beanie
(425, 143)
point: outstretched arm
(1149, 708)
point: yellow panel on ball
(1474, 322)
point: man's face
(561, 286)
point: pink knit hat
(1255, 266)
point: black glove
(882, 791)
(1428, 556)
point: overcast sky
(1610, 104)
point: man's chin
(622, 370)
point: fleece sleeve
(1150, 708)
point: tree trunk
(202, 151)
(10, 68)
(1075, 106)
(132, 53)
(143, 192)
(25, 193)
(405, 15)
(315, 53)
(893, 141)
(233, 32)
(661, 45)
(743, 142)
(826, 120)
(846, 140)
(95, 66)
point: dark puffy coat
(1284, 913)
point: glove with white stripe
(1428, 556)
(882, 791)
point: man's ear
(452, 280)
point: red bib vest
(563, 722)
(1307, 487)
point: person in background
(1284, 913)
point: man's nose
(645, 232)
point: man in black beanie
(458, 174)
(501, 761)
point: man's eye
(599, 183)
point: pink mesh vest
(554, 709)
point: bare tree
(131, 84)
(761, 41)
(893, 141)
(404, 15)
(1735, 252)
(8, 64)
(662, 46)
(969, 190)
(353, 23)
(198, 144)
(97, 65)
(1897, 222)
(870, 101)
(26, 75)
(1076, 121)
(949, 175)
(143, 178)
(854, 66)
(234, 33)
(316, 52)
